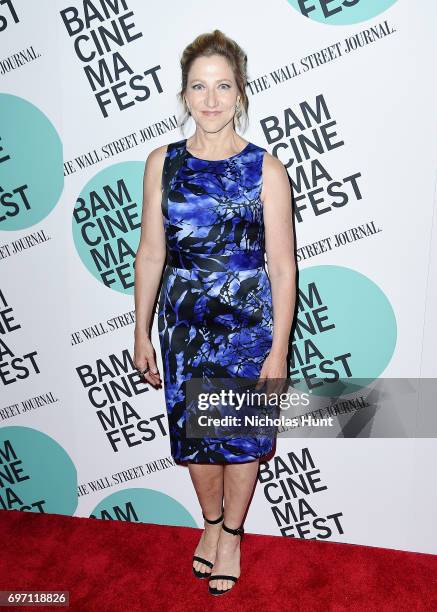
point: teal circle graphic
(143, 506)
(106, 224)
(31, 164)
(337, 12)
(37, 473)
(346, 330)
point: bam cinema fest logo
(292, 484)
(345, 331)
(37, 474)
(16, 365)
(112, 385)
(341, 12)
(302, 138)
(31, 183)
(140, 505)
(106, 224)
(100, 32)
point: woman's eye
(225, 85)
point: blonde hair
(217, 43)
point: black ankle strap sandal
(213, 590)
(205, 561)
(239, 531)
(220, 518)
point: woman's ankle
(228, 540)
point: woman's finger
(260, 382)
(152, 375)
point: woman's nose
(211, 100)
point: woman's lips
(211, 113)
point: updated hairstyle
(217, 43)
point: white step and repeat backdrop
(343, 93)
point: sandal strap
(205, 561)
(222, 577)
(238, 531)
(213, 522)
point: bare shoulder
(272, 166)
(154, 166)
(274, 174)
(156, 156)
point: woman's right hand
(144, 356)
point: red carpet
(113, 565)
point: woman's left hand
(274, 367)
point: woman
(215, 203)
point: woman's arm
(279, 244)
(149, 261)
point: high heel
(196, 572)
(214, 590)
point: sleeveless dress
(215, 315)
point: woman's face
(211, 93)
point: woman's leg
(239, 482)
(208, 483)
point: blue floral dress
(215, 304)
